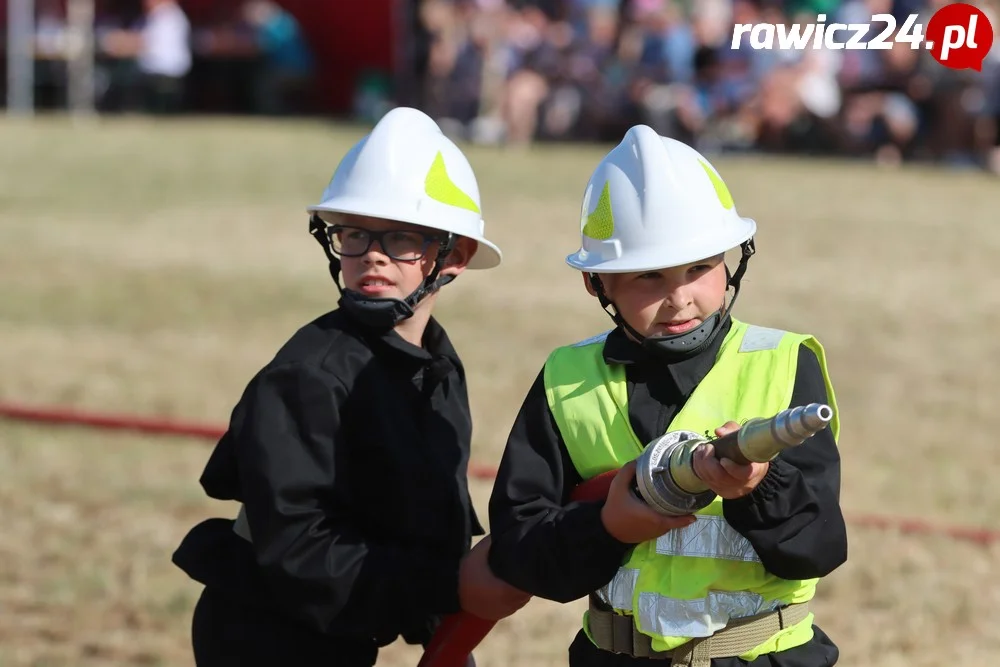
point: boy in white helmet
(349, 450)
(656, 221)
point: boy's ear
(458, 259)
(588, 285)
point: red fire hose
(459, 634)
(157, 426)
(106, 421)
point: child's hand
(727, 478)
(481, 592)
(628, 519)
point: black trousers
(226, 632)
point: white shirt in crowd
(166, 41)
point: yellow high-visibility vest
(689, 582)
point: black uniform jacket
(556, 549)
(349, 452)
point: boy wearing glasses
(349, 451)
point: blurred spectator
(161, 50)
(286, 68)
(532, 59)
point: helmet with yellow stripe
(654, 203)
(405, 170)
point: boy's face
(667, 301)
(375, 273)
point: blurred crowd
(521, 71)
(514, 72)
(243, 56)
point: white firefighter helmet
(407, 170)
(654, 203)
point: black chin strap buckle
(749, 249)
(432, 283)
(598, 287)
(318, 229)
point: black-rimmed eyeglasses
(407, 246)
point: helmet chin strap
(676, 347)
(381, 313)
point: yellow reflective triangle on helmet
(601, 223)
(439, 187)
(721, 190)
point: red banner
(347, 37)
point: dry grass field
(153, 268)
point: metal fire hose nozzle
(665, 476)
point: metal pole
(80, 57)
(20, 57)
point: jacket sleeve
(793, 518)
(318, 563)
(541, 542)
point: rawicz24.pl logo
(958, 35)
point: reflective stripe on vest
(689, 582)
(699, 617)
(708, 537)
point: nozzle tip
(815, 416)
